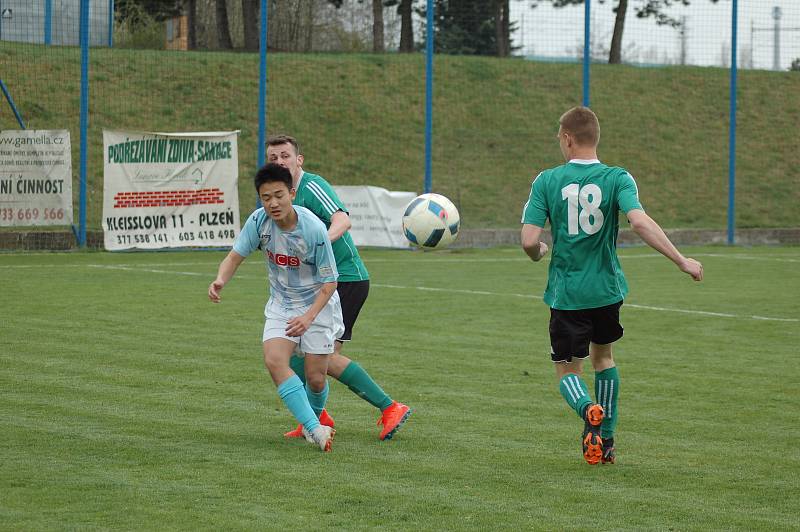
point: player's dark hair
(271, 173)
(582, 124)
(277, 140)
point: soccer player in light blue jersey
(303, 310)
(585, 283)
(317, 195)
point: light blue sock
(575, 393)
(293, 395)
(317, 400)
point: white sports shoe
(322, 436)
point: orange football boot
(592, 442)
(392, 419)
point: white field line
(121, 265)
(137, 268)
(631, 305)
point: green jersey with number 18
(582, 200)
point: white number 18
(589, 197)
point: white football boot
(321, 436)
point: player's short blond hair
(277, 140)
(582, 124)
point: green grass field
(128, 401)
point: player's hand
(213, 291)
(298, 325)
(693, 268)
(542, 250)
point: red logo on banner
(168, 198)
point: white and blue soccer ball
(431, 221)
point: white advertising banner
(376, 215)
(35, 177)
(169, 190)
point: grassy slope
(361, 121)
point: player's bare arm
(227, 268)
(531, 243)
(300, 324)
(340, 223)
(649, 231)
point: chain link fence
(347, 78)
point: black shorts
(352, 295)
(572, 330)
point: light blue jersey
(298, 261)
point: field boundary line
(136, 268)
(147, 270)
(632, 305)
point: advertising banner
(35, 177)
(376, 215)
(169, 190)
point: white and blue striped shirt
(298, 261)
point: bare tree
(377, 26)
(405, 8)
(502, 27)
(309, 24)
(191, 20)
(378, 45)
(615, 55)
(223, 28)
(643, 9)
(406, 26)
(250, 16)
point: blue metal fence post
(262, 87)
(262, 91)
(732, 129)
(110, 23)
(48, 22)
(84, 113)
(587, 10)
(14, 109)
(429, 96)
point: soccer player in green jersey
(317, 195)
(585, 283)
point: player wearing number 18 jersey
(582, 199)
(585, 283)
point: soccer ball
(431, 221)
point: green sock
(361, 384)
(606, 385)
(575, 393)
(298, 365)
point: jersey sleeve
(628, 193)
(248, 240)
(323, 200)
(535, 211)
(323, 254)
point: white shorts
(319, 338)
